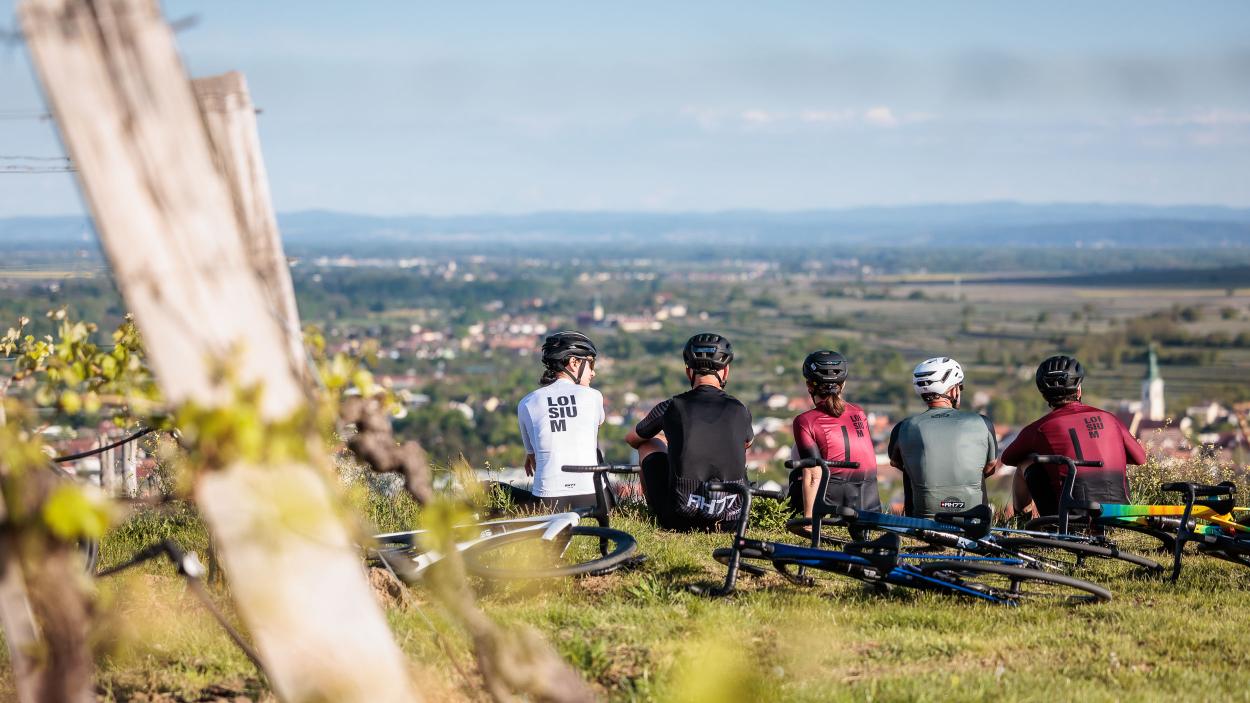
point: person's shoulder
(530, 397)
(590, 392)
(808, 416)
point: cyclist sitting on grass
(945, 453)
(834, 430)
(560, 426)
(1074, 430)
(707, 431)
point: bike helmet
(1059, 376)
(562, 346)
(708, 352)
(937, 375)
(825, 367)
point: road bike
(880, 563)
(535, 546)
(967, 532)
(1206, 518)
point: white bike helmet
(937, 375)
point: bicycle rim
(1014, 585)
(1063, 556)
(583, 550)
(1127, 537)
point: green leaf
(70, 514)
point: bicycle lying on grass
(968, 532)
(880, 563)
(1205, 518)
(536, 546)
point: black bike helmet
(562, 346)
(1059, 376)
(708, 352)
(825, 367)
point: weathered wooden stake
(231, 120)
(131, 123)
(108, 468)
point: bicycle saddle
(975, 521)
(882, 551)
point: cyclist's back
(707, 433)
(943, 452)
(1076, 430)
(1081, 431)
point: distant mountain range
(976, 225)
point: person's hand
(529, 465)
(991, 467)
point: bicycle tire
(90, 551)
(1003, 582)
(1067, 556)
(1236, 555)
(1156, 540)
(623, 546)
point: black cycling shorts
(657, 488)
(861, 495)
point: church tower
(1152, 406)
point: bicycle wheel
(90, 551)
(582, 550)
(1064, 556)
(1012, 584)
(1126, 536)
(1237, 554)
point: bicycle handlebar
(1199, 490)
(1060, 459)
(601, 468)
(815, 461)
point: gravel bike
(535, 546)
(880, 563)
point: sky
(407, 107)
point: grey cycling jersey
(943, 453)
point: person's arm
(649, 426)
(1134, 452)
(750, 431)
(991, 458)
(805, 443)
(1019, 450)
(895, 452)
(530, 462)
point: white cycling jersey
(560, 426)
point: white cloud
(880, 116)
(1213, 117)
(759, 117)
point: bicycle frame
(881, 563)
(1212, 504)
(552, 527)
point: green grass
(640, 635)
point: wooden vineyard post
(231, 121)
(174, 235)
(108, 468)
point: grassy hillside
(640, 635)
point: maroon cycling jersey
(845, 438)
(1084, 432)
